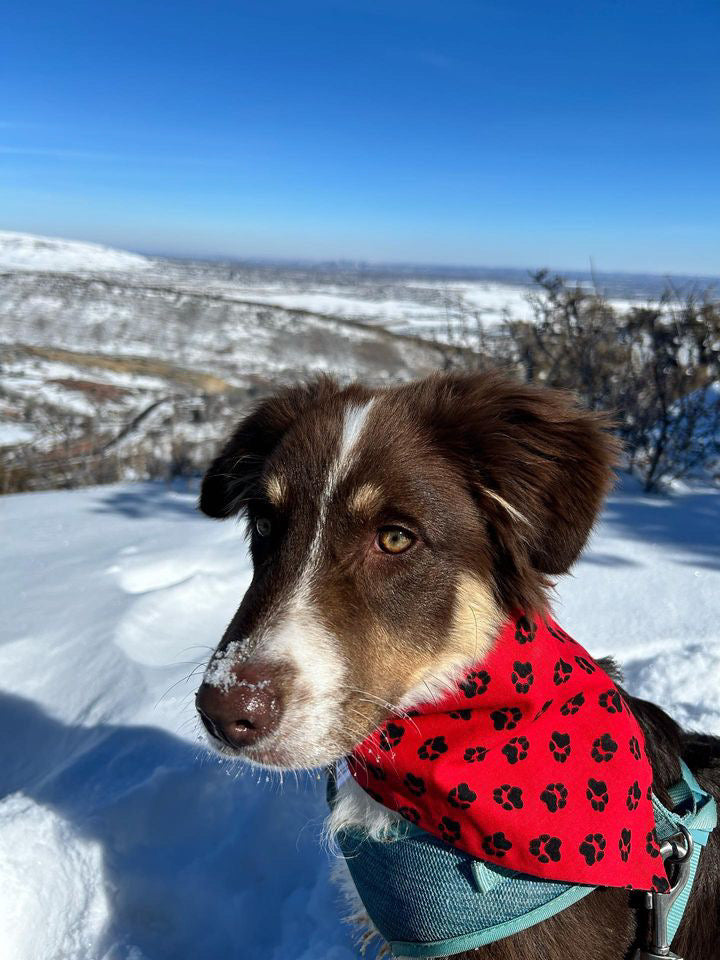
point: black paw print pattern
(449, 829)
(525, 630)
(573, 705)
(597, 794)
(415, 785)
(603, 749)
(554, 796)
(625, 844)
(660, 884)
(611, 701)
(475, 683)
(651, 844)
(593, 848)
(634, 795)
(522, 676)
(461, 714)
(516, 749)
(560, 746)
(390, 736)
(461, 796)
(496, 844)
(562, 672)
(410, 813)
(559, 634)
(546, 848)
(585, 664)
(507, 718)
(592, 817)
(432, 748)
(509, 797)
(543, 709)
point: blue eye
(263, 527)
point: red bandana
(535, 764)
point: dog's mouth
(269, 716)
(274, 754)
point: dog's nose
(241, 711)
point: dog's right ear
(232, 478)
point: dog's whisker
(185, 679)
(367, 719)
(393, 707)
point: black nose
(243, 710)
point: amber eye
(394, 539)
(263, 526)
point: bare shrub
(656, 368)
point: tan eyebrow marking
(276, 489)
(365, 499)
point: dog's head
(390, 532)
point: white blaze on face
(296, 634)
(300, 635)
(354, 423)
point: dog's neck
(354, 807)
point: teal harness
(428, 899)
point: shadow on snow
(196, 863)
(689, 522)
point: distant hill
(23, 251)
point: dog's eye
(263, 526)
(394, 539)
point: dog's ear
(232, 478)
(539, 464)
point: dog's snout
(241, 711)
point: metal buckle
(676, 853)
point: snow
(12, 433)
(120, 837)
(24, 251)
(220, 669)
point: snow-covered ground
(120, 838)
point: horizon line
(364, 263)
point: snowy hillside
(116, 366)
(120, 838)
(24, 251)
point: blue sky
(491, 133)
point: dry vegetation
(103, 416)
(655, 368)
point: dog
(391, 532)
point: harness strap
(696, 810)
(428, 899)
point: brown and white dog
(391, 532)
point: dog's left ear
(539, 465)
(232, 478)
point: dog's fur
(496, 485)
